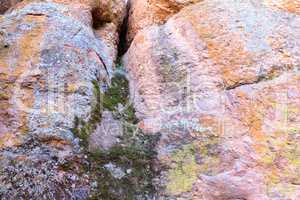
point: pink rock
(219, 80)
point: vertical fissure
(122, 47)
(125, 171)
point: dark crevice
(78, 31)
(99, 20)
(122, 47)
(103, 63)
(275, 73)
(35, 14)
(234, 86)
(134, 153)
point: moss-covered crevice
(83, 129)
(135, 160)
(133, 155)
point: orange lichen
(29, 44)
(273, 124)
(28, 48)
(279, 151)
(292, 6)
(226, 49)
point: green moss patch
(133, 155)
(135, 160)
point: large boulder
(220, 82)
(50, 58)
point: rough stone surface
(49, 56)
(216, 81)
(146, 13)
(115, 171)
(220, 82)
(107, 133)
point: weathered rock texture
(107, 133)
(49, 56)
(146, 13)
(220, 82)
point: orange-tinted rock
(220, 82)
(292, 6)
(146, 13)
(49, 57)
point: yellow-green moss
(282, 146)
(182, 177)
(185, 168)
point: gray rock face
(49, 56)
(37, 171)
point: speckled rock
(220, 82)
(146, 13)
(105, 16)
(49, 56)
(107, 133)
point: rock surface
(220, 82)
(215, 85)
(107, 133)
(146, 13)
(49, 56)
